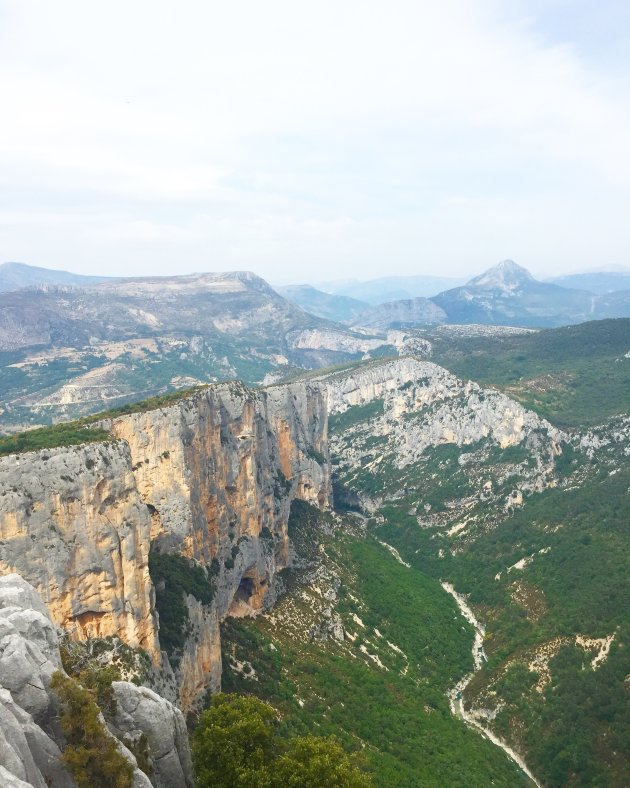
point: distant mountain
(405, 313)
(15, 276)
(391, 288)
(508, 294)
(614, 305)
(70, 351)
(327, 305)
(600, 282)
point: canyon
(436, 465)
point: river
(455, 695)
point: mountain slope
(507, 294)
(365, 649)
(600, 282)
(391, 288)
(530, 526)
(15, 276)
(401, 314)
(68, 352)
(328, 305)
(575, 375)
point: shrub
(237, 744)
(173, 577)
(90, 753)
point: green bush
(173, 577)
(66, 434)
(237, 745)
(90, 753)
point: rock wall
(73, 524)
(425, 405)
(211, 477)
(31, 740)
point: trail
(455, 695)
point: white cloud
(358, 136)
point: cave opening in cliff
(248, 595)
(245, 590)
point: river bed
(455, 695)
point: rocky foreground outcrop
(211, 477)
(31, 740)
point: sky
(311, 141)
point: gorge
(231, 509)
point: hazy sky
(315, 140)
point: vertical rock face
(211, 477)
(217, 473)
(73, 524)
(140, 712)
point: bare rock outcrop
(30, 734)
(210, 477)
(139, 713)
(426, 405)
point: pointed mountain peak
(506, 275)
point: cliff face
(425, 405)
(31, 737)
(464, 455)
(73, 524)
(211, 477)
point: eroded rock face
(30, 735)
(211, 477)
(29, 655)
(331, 339)
(444, 408)
(74, 525)
(140, 712)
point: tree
(91, 753)
(237, 744)
(234, 744)
(316, 762)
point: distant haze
(315, 141)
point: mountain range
(506, 294)
(72, 345)
(14, 276)
(67, 351)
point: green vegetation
(96, 662)
(541, 574)
(237, 744)
(173, 576)
(145, 405)
(396, 715)
(71, 433)
(66, 434)
(576, 731)
(574, 376)
(90, 753)
(356, 414)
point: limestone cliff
(73, 524)
(31, 738)
(211, 477)
(409, 425)
(425, 405)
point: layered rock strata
(211, 477)
(425, 405)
